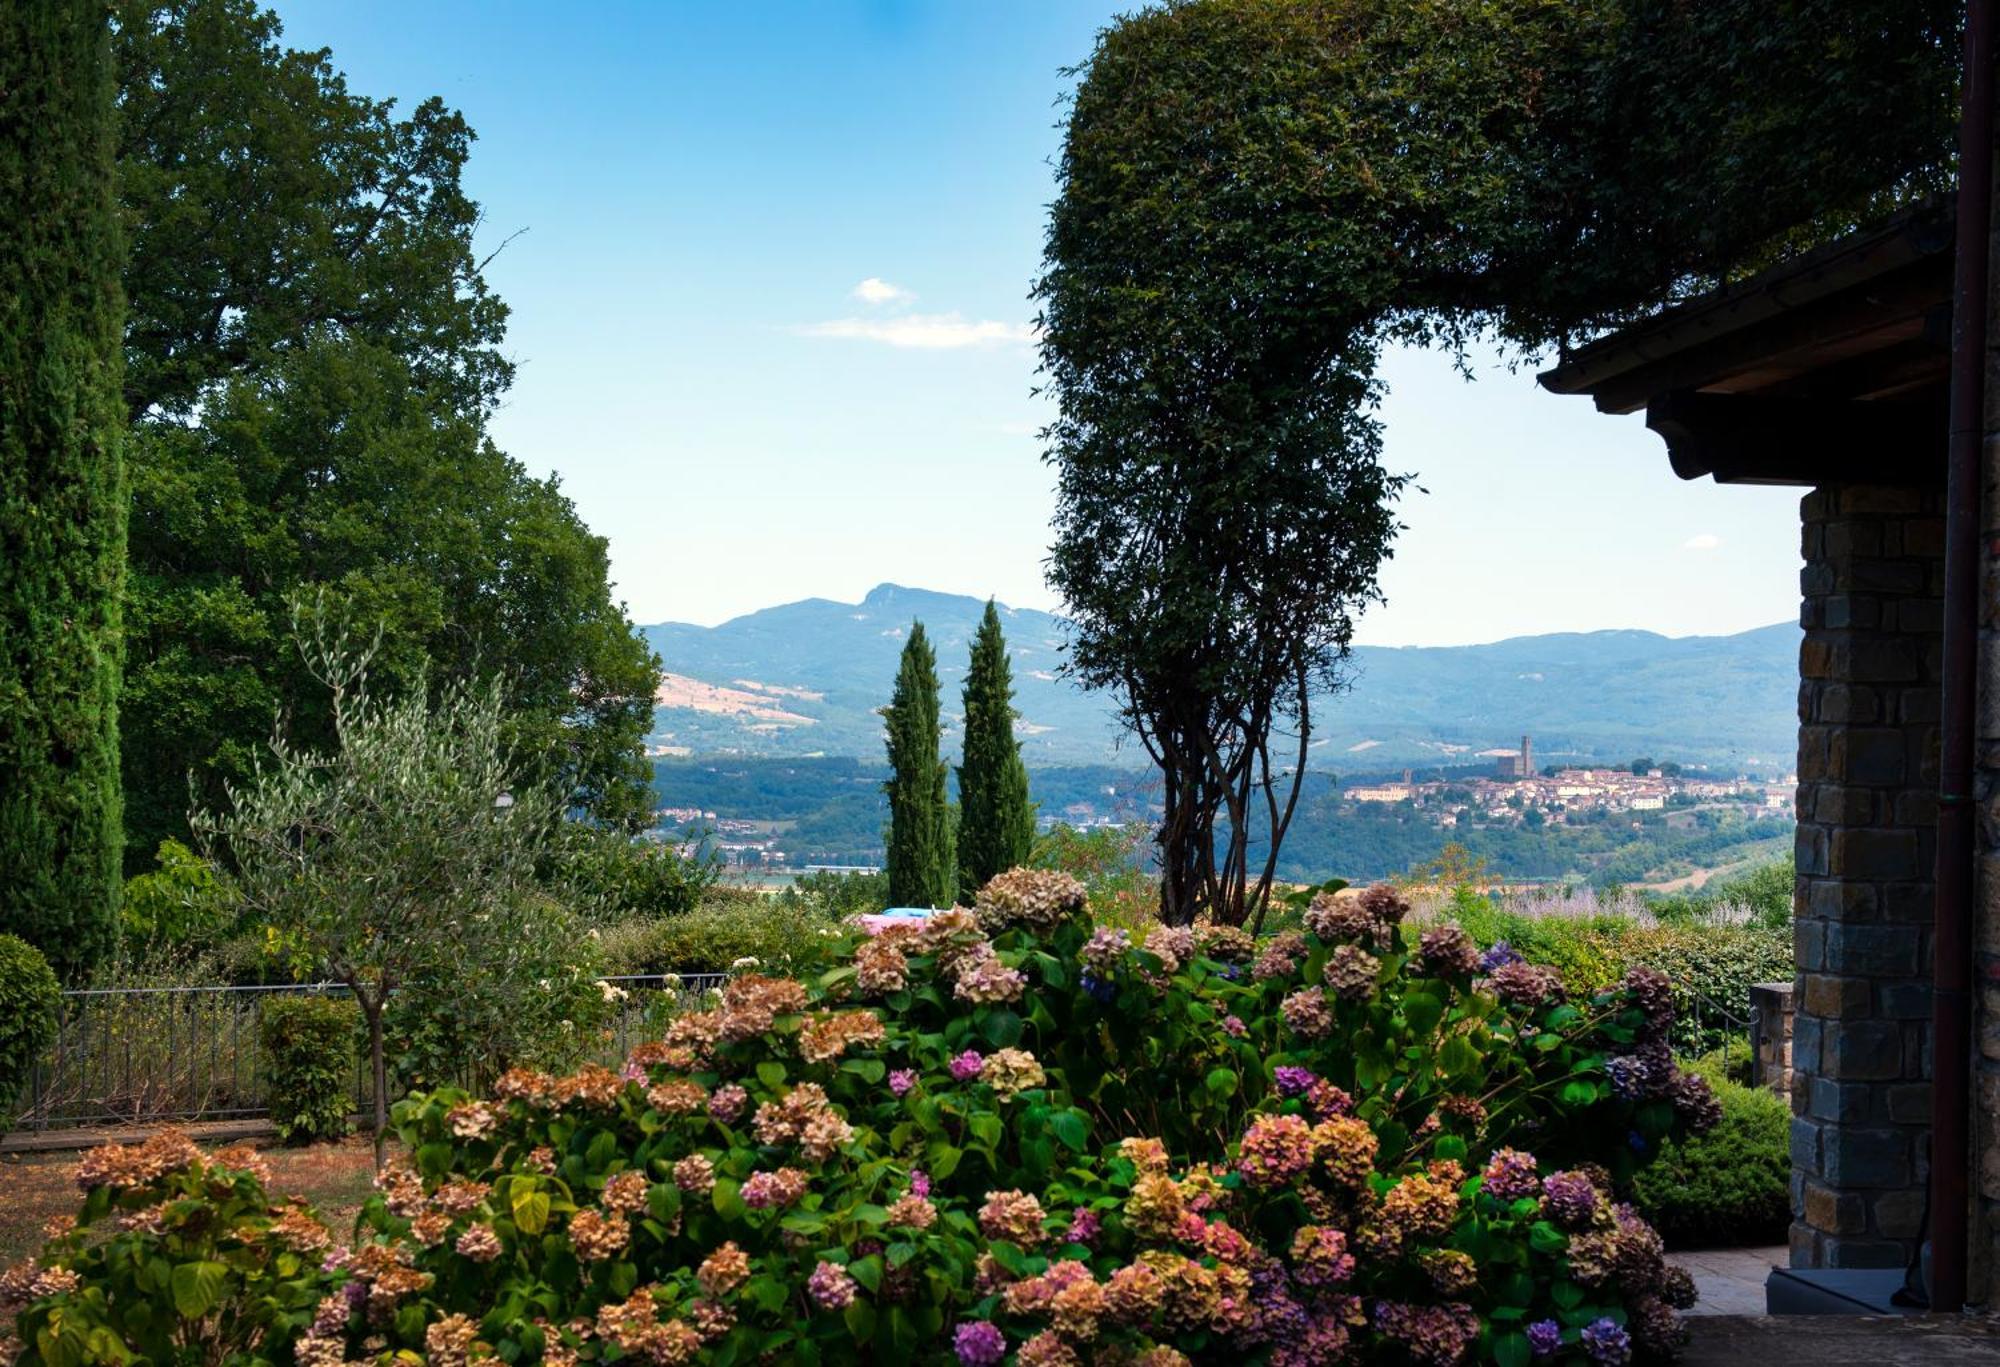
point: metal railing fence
(136, 1056)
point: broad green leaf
(1422, 1012)
(1001, 1026)
(197, 1288)
(531, 1210)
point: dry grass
(335, 1178)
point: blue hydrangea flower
(1607, 1343)
(1544, 1337)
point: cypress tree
(62, 488)
(922, 872)
(996, 829)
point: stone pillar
(1771, 1037)
(1868, 711)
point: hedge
(310, 1050)
(30, 998)
(1731, 1186)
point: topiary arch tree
(1257, 195)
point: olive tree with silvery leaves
(406, 843)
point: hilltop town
(1517, 792)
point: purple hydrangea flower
(1084, 1226)
(979, 1343)
(1292, 1080)
(1101, 990)
(920, 1182)
(1607, 1343)
(1630, 1077)
(1234, 1026)
(1510, 1176)
(1571, 1198)
(1544, 1337)
(902, 1079)
(1501, 953)
(968, 1065)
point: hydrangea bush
(1011, 1135)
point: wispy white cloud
(1701, 541)
(876, 290)
(924, 331)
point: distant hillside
(806, 678)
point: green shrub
(1710, 965)
(941, 1140)
(1730, 1186)
(176, 1258)
(181, 902)
(837, 895)
(783, 936)
(310, 1055)
(542, 1003)
(856, 1168)
(606, 873)
(1114, 865)
(30, 999)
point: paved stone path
(1841, 1341)
(1730, 1280)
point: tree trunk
(379, 1070)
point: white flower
(612, 992)
(670, 980)
(747, 961)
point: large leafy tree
(312, 357)
(1256, 195)
(996, 823)
(62, 489)
(922, 868)
(332, 467)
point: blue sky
(771, 316)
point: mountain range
(805, 678)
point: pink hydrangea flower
(967, 1065)
(830, 1286)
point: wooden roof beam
(1753, 439)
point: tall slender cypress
(62, 487)
(922, 872)
(996, 828)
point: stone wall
(1868, 711)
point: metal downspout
(1951, 1003)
